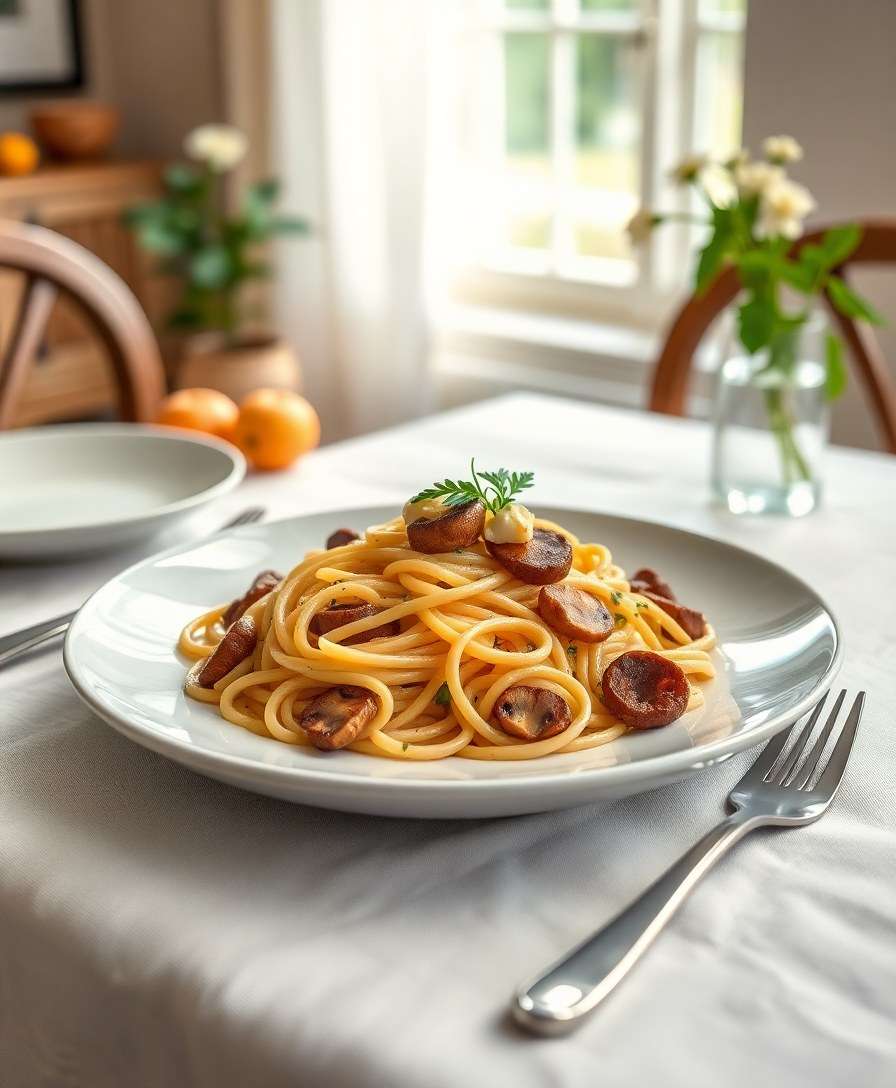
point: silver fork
(20, 642)
(777, 790)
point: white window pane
(722, 7)
(527, 103)
(602, 240)
(719, 94)
(529, 231)
(609, 5)
(608, 122)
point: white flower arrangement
(220, 147)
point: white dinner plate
(779, 651)
(81, 487)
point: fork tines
(796, 768)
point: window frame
(668, 32)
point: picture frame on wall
(40, 46)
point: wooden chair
(670, 378)
(54, 266)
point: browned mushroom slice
(572, 612)
(338, 615)
(545, 558)
(692, 622)
(646, 580)
(237, 644)
(644, 690)
(531, 713)
(460, 527)
(261, 586)
(338, 716)
(341, 537)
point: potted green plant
(215, 251)
(784, 365)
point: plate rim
(658, 767)
(235, 475)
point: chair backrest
(670, 378)
(52, 266)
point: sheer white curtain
(350, 134)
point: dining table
(159, 928)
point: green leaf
(265, 191)
(712, 257)
(835, 380)
(839, 242)
(212, 267)
(443, 696)
(185, 319)
(290, 224)
(798, 275)
(756, 323)
(183, 179)
(849, 303)
(160, 236)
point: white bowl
(779, 652)
(82, 487)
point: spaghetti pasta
(460, 632)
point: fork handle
(20, 642)
(558, 1000)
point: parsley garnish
(404, 746)
(572, 650)
(498, 491)
(621, 621)
(615, 596)
(641, 604)
(443, 696)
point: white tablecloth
(158, 928)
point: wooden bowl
(75, 129)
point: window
(571, 113)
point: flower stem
(793, 464)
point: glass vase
(771, 425)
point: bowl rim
(77, 431)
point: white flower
(641, 224)
(755, 177)
(737, 158)
(782, 149)
(717, 184)
(784, 206)
(221, 147)
(688, 169)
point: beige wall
(159, 60)
(825, 72)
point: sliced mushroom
(544, 559)
(261, 586)
(340, 537)
(644, 690)
(338, 615)
(531, 713)
(460, 527)
(338, 716)
(646, 580)
(238, 643)
(692, 622)
(572, 612)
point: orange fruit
(205, 410)
(275, 427)
(18, 153)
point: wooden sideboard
(72, 378)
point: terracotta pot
(253, 362)
(76, 128)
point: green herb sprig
(497, 491)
